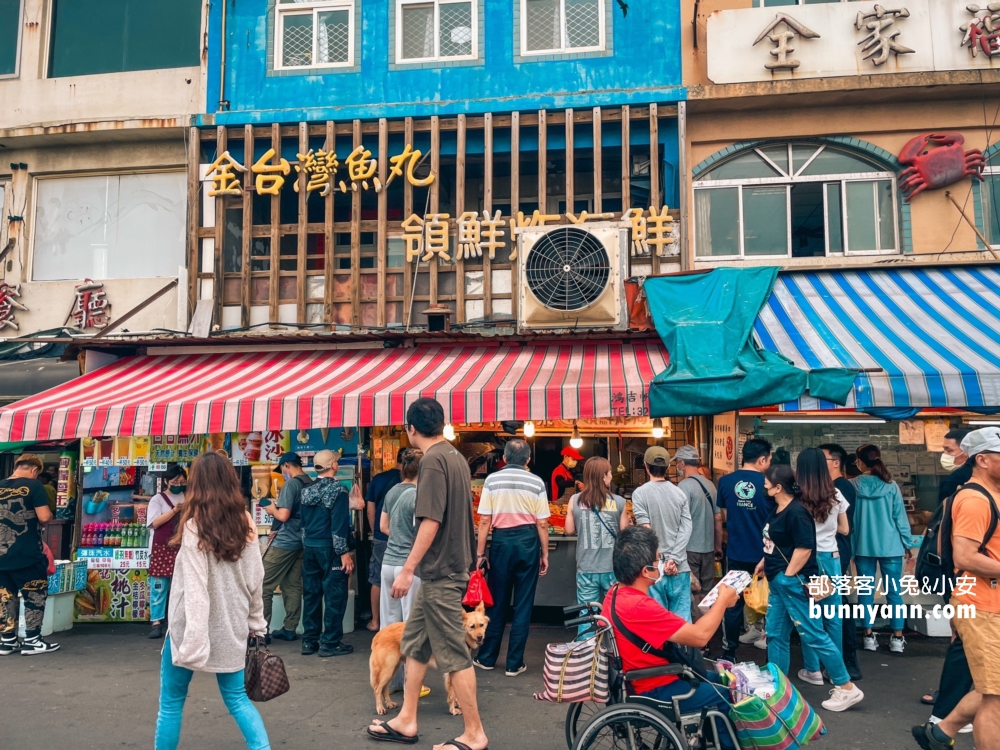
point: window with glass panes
(314, 34)
(795, 200)
(562, 26)
(436, 30)
(990, 195)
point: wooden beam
(626, 160)
(515, 163)
(301, 236)
(655, 197)
(488, 208)
(459, 209)
(194, 211)
(598, 171)
(381, 236)
(220, 237)
(136, 310)
(435, 195)
(328, 238)
(248, 193)
(543, 157)
(272, 315)
(356, 241)
(570, 190)
(407, 211)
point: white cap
(985, 440)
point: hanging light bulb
(576, 441)
(657, 428)
(449, 431)
(529, 429)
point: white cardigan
(214, 606)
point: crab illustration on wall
(936, 160)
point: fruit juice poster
(113, 596)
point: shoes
(926, 739)
(871, 642)
(424, 691)
(285, 635)
(752, 635)
(967, 729)
(897, 644)
(761, 644)
(341, 649)
(853, 668)
(516, 672)
(9, 645)
(36, 645)
(156, 631)
(308, 649)
(841, 700)
(479, 665)
(813, 678)
(729, 656)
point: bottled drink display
(115, 534)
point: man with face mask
(283, 558)
(565, 477)
(957, 462)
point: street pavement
(100, 691)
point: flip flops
(458, 745)
(929, 699)
(391, 735)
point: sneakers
(925, 737)
(871, 642)
(341, 649)
(841, 700)
(9, 645)
(36, 645)
(156, 631)
(897, 644)
(285, 635)
(516, 672)
(761, 644)
(967, 729)
(753, 634)
(479, 665)
(813, 678)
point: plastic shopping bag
(477, 591)
(755, 596)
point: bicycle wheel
(627, 727)
(578, 716)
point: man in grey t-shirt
(661, 506)
(705, 544)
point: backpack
(936, 559)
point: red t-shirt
(646, 618)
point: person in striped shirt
(514, 507)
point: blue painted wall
(642, 65)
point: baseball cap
(656, 456)
(290, 458)
(985, 440)
(572, 452)
(687, 453)
(324, 459)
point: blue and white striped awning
(927, 337)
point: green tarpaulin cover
(706, 323)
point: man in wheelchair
(639, 620)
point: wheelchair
(637, 722)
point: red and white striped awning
(183, 394)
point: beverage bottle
(85, 536)
(133, 533)
(127, 537)
(99, 536)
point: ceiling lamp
(449, 431)
(529, 429)
(576, 441)
(658, 428)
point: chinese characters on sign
(783, 41)
(963, 585)
(320, 169)
(8, 303)
(653, 233)
(982, 33)
(877, 44)
(91, 308)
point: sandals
(929, 699)
(459, 745)
(392, 735)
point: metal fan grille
(568, 269)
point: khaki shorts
(436, 627)
(981, 638)
(702, 569)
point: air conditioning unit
(572, 277)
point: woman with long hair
(789, 561)
(215, 601)
(881, 538)
(828, 508)
(596, 516)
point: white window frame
(436, 57)
(283, 10)
(987, 208)
(564, 49)
(17, 46)
(798, 178)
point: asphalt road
(101, 692)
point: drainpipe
(682, 168)
(223, 102)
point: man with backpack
(970, 547)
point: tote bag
(575, 672)
(780, 722)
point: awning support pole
(136, 310)
(975, 229)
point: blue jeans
(892, 571)
(515, 554)
(174, 683)
(788, 606)
(674, 593)
(705, 696)
(323, 578)
(159, 590)
(834, 627)
(592, 587)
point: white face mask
(659, 568)
(947, 462)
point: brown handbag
(264, 676)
